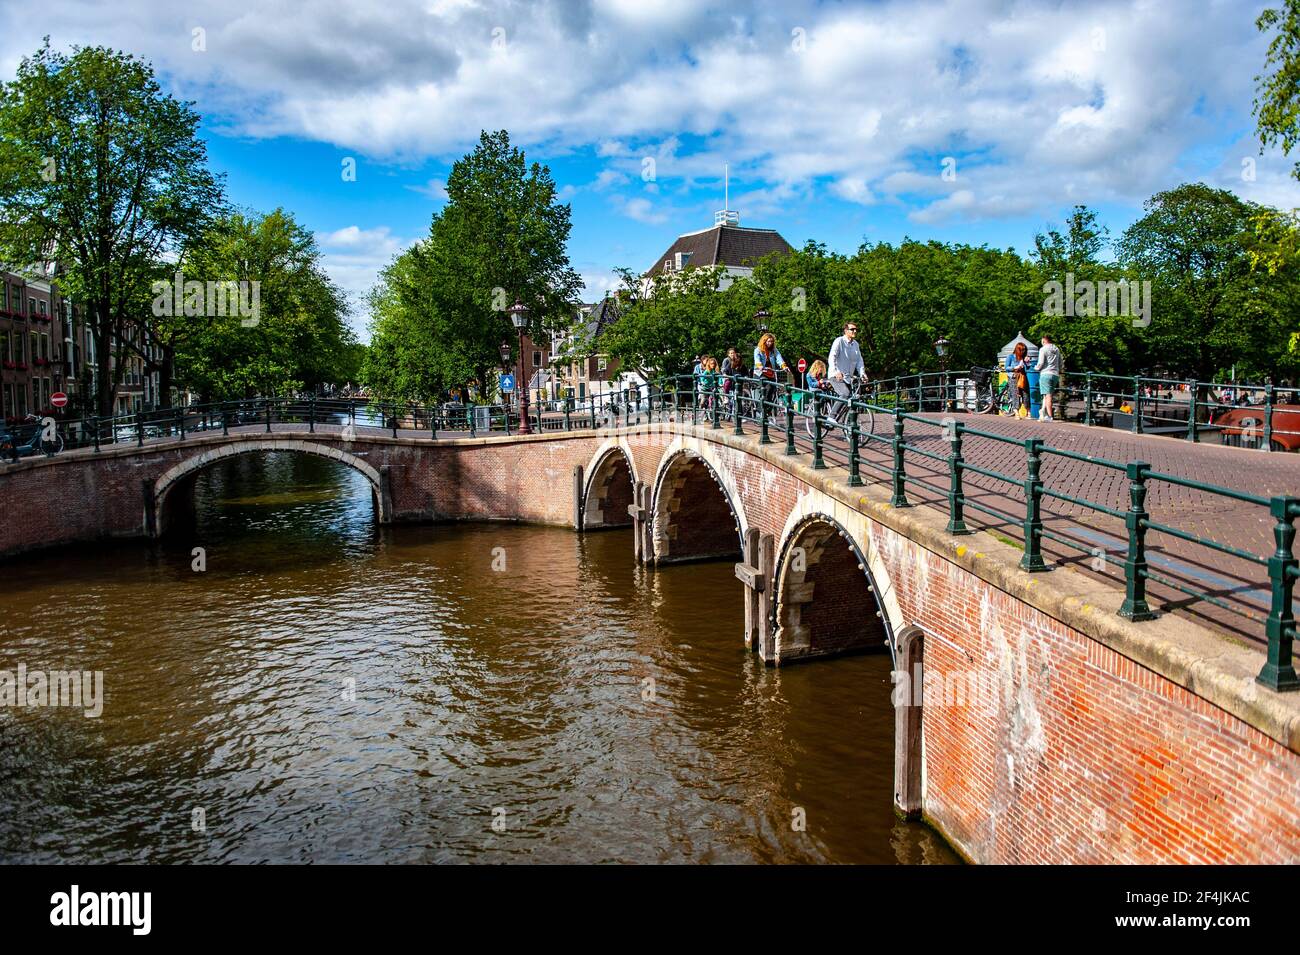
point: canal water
(327, 690)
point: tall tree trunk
(106, 390)
(165, 372)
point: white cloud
(435, 189)
(642, 210)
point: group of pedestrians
(769, 365)
(1048, 368)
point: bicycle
(838, 411)
(990, 395)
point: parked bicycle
(990, 393)
(835, 409)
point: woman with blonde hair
(707, 381)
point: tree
(1210, 309)
(684, 316)
(103, 173)
(298, 338)
(1277, 93)
(501, 236)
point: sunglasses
(851, 328)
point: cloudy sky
(965, 120)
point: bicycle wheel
(1004, 402)
(51, 448)
(984, 403)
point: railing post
(1135, 606)
(855, 461)
(393, 406)
(1192, 434)
(94, 424)
(311, 414)
(735, 404)
(225, 419)
(899, 474)
(956, 497)
(180, 423)
(568, 413)
(819, 463)
(1268, 417)
(1136, 425)
(715, 397)
(1279, 671)
(789, 419)
(1033, 559)
(139, 429)
(763, 436)
(1087, 398)
(268, 415)
(591, 406)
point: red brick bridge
(1033, 722)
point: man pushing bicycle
(846, 360)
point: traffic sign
(58, 399)
(507, 384)
(803, 366)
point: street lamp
(519, 315)
(760, 319)
(943, 349)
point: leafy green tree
(300, 338)
(1209, 310)
(1277, 90)
(501, 236)
(105, 174)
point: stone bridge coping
(1212, 665)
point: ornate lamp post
(519, 315)
(943, 348)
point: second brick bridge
(1033, 723)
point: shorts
(1048, 383)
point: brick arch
(697, 511)
(610, 487)
(827, 600)
(197, 462)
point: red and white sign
(803, 366)
(58, 399)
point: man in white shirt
(845, 359)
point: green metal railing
(886, 436)
(901, 438)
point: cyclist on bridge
(846, 359)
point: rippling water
(329, 691)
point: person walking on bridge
(767, 362)
(1049, 375)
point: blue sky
(838, 120)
